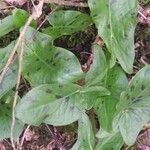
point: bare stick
(67, 3)
(24, 134)
(20, 41)
(16, 93)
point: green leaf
(65, 22)
(44, 63)
(20, 17)
(116, 22)
(109, 141)
(115, 82)
(49, 103)
(10, 78)
(98, 68)
(133, 108)
(6, 120)
(6, 25)
(86, 138)
(87, 97)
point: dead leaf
(16, 2)
(2, 147)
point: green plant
(55, 97)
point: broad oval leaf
(49, 103)
(116, 21)
(65, 22)
(44, 63)
(133, 108)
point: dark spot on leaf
(38, 69)
(48, 91)
(54, 64)
(127, 96)
(67, 59)
(37, 59)
(136, 100)
(60, 86)
(2, 103)
(56, 55)
(67, 71)
(139, 97)
(143, 87)
(67, 99)
(13, 70)
(132, 87)
(108, 26)
(28, 73)
(132, 98)
(94, 15)
(58, 96)
(72, 108)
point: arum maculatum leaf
(116, 22)
(44, 63)
(133, 108)
(65, 22)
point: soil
(46, 137)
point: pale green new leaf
(86, 137)
(44, 63)
(116, 82)
(116, 22)
(134, 107)
(65, 22)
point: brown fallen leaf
(16, 2)
(2, 147)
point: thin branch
(19, 42)
(67, 3)
(16, 93)
(24, 134)
(142, 14)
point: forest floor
(46, 137)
